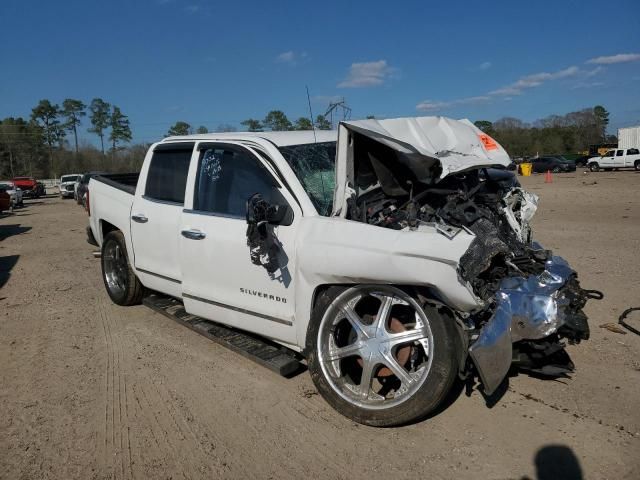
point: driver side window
(227, 176)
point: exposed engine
(487, 202)
(514, 276)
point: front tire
(594, 167)
(378, 356)
(121, 282)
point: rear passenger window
(227, 177)
(167, 176)
(633, 151)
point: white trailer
(629, 137)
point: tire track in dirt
(113, 432)
(198, 443)
(139, 401)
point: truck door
(220, 281)
(632, 157)
(607, 160)
(155, 217)
(619, 159)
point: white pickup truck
(390, 255)
(614, 159)
(68, 185)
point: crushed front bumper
(529, 309)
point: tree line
(275, 121)
(38, 146)
(46, 145)
(555, 134)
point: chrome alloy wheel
(375, 346)
(115, 268)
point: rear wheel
(378, 356)
(121, 283)
(637, 166)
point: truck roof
(280, 139)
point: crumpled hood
(430, 148)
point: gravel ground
(92, 390)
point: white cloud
(286, 57)
(506, 92)
(593, 72)
(431, 105)
(534, 80)
(367, 74)
(587, 85)
(619, 58)
(290, 57)
(484, 66)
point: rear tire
(637, 166)
(398, 390)
(121, 282)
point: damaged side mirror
(264, 247)
(260, 211)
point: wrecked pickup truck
(394, 256)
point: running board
(274, 357)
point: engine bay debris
(531, 299)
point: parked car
(30, 187)
(5, 201)
(68, 184)
(14, 192)
(582, 160)
(614, 159)
(391, 267)
(81, 188)
(552, 164)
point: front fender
(338, 251)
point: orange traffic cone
(547, 177)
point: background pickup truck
(619, 158)
(391, 257)
(30, 187)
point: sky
(212, 62)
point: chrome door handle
(193, 234)
(139, 218)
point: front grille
(69, 188)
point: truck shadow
(7, 231)
(6, 265)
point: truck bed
(122, 181)
(111, 198)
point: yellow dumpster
(526, 168)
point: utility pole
(335, 107)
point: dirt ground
(92, 390)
